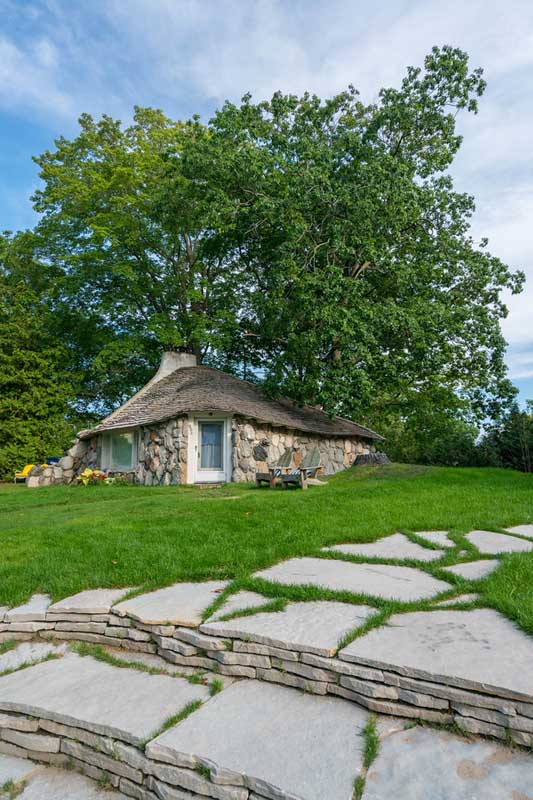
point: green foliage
(510, 443)
(433, 439)
(319, 245)
(370, 296)
(35, 387)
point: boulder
(364, 459)
(260, 453)
(67, 462)
(78, 449)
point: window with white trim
(119, 451)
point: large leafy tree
(137, 249)
(320, 243)
(36, 386)
(370, 294)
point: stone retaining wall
(255, 446)
(474, 708)
(146, 774)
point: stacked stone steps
(242, 649)
(472, 668)
(69, 713)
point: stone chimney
(171, 360)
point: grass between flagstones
(370, 753)
(61, 540)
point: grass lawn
(60, 540)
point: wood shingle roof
(200, 388)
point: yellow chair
(23, 474)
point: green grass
(61, 540)
(97, 652)
(370, 752)
(10, 790)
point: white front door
(211, 451)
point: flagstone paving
(240, 601)
(377, 580)
(490, 543)
(14, 769)
(522, 530)
(424, 764)
(29, 653)
(312, 627)
(181, 604)
(462, 598)
(258, 740)
(474, 570)
(94, 696)
(478, 648)
(280, 739)
(56, 784)
(441, 538)
(397, 546)
(32, 611)
(91, 601)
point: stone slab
(488, 543)
(378, 580)
(474, 570)
(440, 538)
(425, 764)
(85, 693)
(28, 653)
(306, 746)
(55, 784)
(314, 627)
(32, 611)
(522, 530)
(461, 598)
(397, 546)
(239, 602)
(180, 604)
(15, 769)
(91, 601)
(478, 649)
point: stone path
(397, 546)
(314, 627)
(150, 724)
(41, 783)
(126, 703)
(493, 543)
(424, 764)
(468, 649)
(375, 580)
(473, 570)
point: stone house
(194, 424)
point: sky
(60, 58)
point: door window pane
(211, 434)
(121, 450)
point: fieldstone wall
(163, 454)
(256, 446)
(82, 454)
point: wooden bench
(275, 471)
(308, 469)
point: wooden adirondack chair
(308, 469)
(275, 471)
